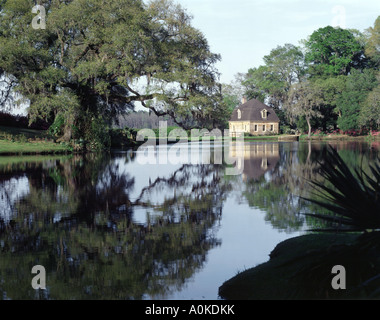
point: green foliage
(121, 138)
(354, 199)
(352, 98)
(57, 127)
(91, 54)
(370, 110)
(305, 100)
(97, 136)
(353, 204)
(301, 124)
(331, 88)
(332, 80)
(373, 43)
(283, 67)
(332, 52)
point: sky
(244, 31)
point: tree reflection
(76, 220)
(75, 216)
(276, 177)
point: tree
(92, 58)
(256, 83)
(372, 48)
(271, 83)
(351, 101)
(370, 111)
(233, 93)
(331, 88)
(332, 52)
(283, 67)
(305, 99)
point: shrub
(98, 136)
(123, 137)
(56, 129)
(285, 129)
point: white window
(263, 127)
(264, 113)
(239, 114)
(256, 127)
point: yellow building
(256, 158)
(253, 117)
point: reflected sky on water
(176, 227)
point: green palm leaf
(353, 199)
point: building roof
(251, 111)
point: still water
(163, 223)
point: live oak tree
(96, 59)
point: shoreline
(9, 148)
(279, 278)
(14, 148)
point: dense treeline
(330, 82)
(96, 59)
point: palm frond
(354, 199)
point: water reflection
(107, 227)
(258, 158)
(75, 218)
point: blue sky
(244, 31)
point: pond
(170, 222)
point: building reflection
(255, 158)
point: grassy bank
(17, 141)
(280, 278)
(34, 147)
(13, 132)
(334, 137)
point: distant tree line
(330, 82)
(142, 120)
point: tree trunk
(309, 125)
(67, 133)
(67, 130)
